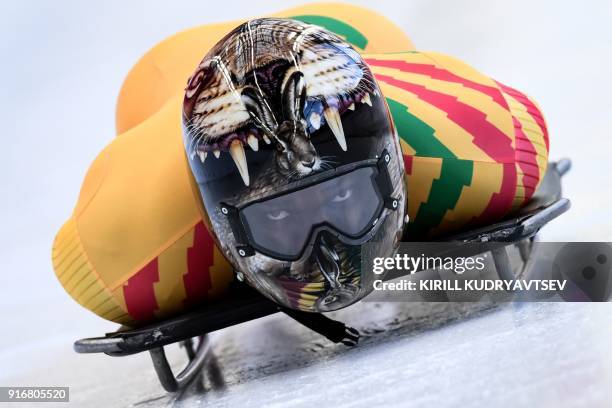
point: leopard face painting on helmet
(297, 161)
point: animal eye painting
(294, 93)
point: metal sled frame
(244, 303)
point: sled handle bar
(169, 381)
(98, 345)
(197, 358)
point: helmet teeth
(352, 106)
(335, 124)
(253, 142)
(266, 139)
(202, 156)
(237, 153)
(217, 153)
(366, 99)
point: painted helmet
(297, 161)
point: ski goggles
(348, 202)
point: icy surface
(420, 355)
(63, 64)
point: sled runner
(244, 303)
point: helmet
(297, 161)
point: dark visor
(350, 204)
(282, 225)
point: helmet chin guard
(297, 161)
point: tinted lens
(282, 225)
